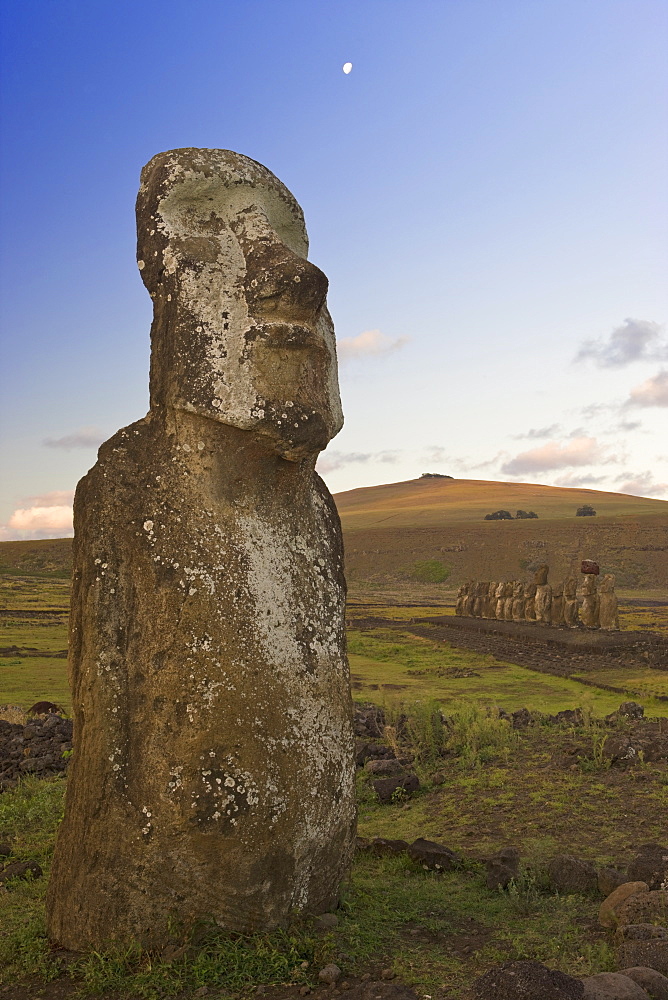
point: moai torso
(213, 771)
(469, 603)
(518, 602)
(570, 605)
(589, 608)
(490, 601)
(530, 602)
(543, 599)
(480, 598)
(508, 601)
(557, 609)
(500, 595)
(461, 599)
(607, 609)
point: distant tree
(435, 475)
(586, 510)
(522, 514)
(499, 515)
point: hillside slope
(388, 529)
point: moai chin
(213, 769)
(607, 603)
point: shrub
(523, 514)
(499, 515)
(586, 510)
(430, 571)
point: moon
(347, 67)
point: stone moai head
(558, 589)
(529, 590)
(607, 584)
(570, 587)
(588, 585)
(518, 589)
(541, 575)
(241, 333)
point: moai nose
(280, 285)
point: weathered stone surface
(432, 855)
(502, 867)
(383, 846)
(645, 908)
(526, 981)
(569, 874)
(20, 869)
(608, 913)
(610, 879)
(589, 609)
(641, 932)
(612, 986)
(651, 981)
(607, 606)
(653, 953)
(213, 774)
(571, 611)
(651, 865)
(388, 789)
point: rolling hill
(389, 529)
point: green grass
(26, 680)
(33, 592)
(390, 667)
(433, 930)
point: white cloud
(641, 484)
(553, 455)
(45, 516)
(83, 437)
(571, 479)
(652, 392)
(539, 432)
(369, 343)
(634, 340)
(329, 461)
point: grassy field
(546, 790)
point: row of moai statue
(558, 604)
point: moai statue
(529, 602)
(570, 606)
(480, 597)
(508, 591)
(213, 777)
(470, 599)
(490, 601)
(557, 610)
(589, 607)
(607, 610)
(461, 599)
(543, 600)
(518, 602)
(500, 595)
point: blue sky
(485, 190)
